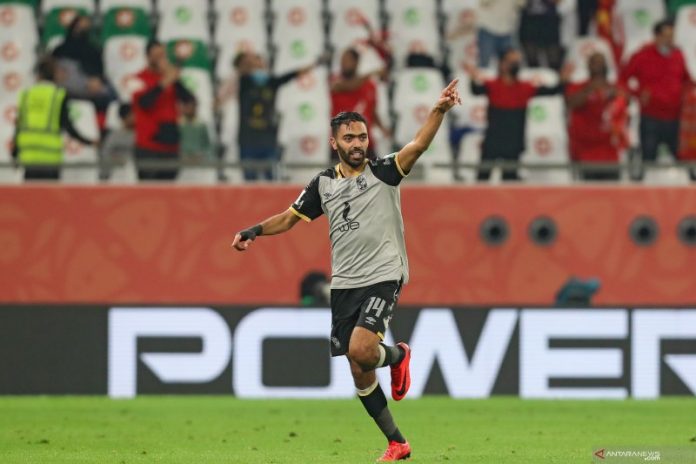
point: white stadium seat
(199, 82)
(304, 107)
(346, 21)
(8, 174)
(636, 19)
(183, 19)
(84, 118)
(472, 112)
(17, 22)
(470, 153)
(685, 36)
(298, 35)
(124, 56)
(17, 55)
(415, 92)
(240, 26)
(413, 28)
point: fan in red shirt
(660, 71)
(508, 97)
(597, 111)
(156, 113)
(353, 93)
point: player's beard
(355, 157)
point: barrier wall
(156, 245)
(272, 352)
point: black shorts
(369, 307)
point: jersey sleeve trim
(398, 166)
(299, 215)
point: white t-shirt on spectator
(499, 17)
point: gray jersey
(365, 223)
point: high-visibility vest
(39, 137)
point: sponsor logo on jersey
(349, 224)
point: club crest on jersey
(362, 182)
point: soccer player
(362, 201)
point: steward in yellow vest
(41, 117)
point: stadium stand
(204, 36)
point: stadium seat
(546, 149)
(18, 22)
(56, 23)
(193, 58)
(106, 5)
(346, 24)
(415, 92)
(413, 28)
(8, 174)
(298, 35)
(582, 49)
(546, 132)
(17, 55)
(240, 26)
(183, 19)
(124, 56)
(458, 15)
(470, 153)
(125, 21)
(304, 108)
(49, 5)
(685, 36)
(84, 117)
(636, 19)
(472, 112)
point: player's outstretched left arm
(409, 154)
(273, 225)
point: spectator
(507, 111)
(80, 60)
(540, 33)
(119, 144)
(350, 92)
(156, 114)
(587, 10)
(196, 143)
(497, 22)
(258, 122)
(42, 116)
(660, 73)
(596, 125)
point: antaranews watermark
(633, 454)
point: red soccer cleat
(401, 374)
(396, 452)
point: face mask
(514, 69)
(664, 49)
(260, 77)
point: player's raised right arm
(273, 225)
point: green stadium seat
(125, 21)
(56, 23)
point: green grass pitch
(215, 429)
